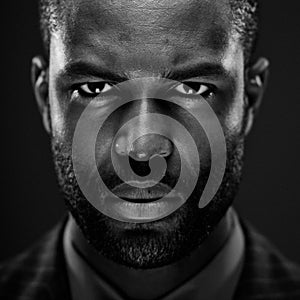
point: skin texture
(130, 40)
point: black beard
(155, 244)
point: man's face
(105, 42)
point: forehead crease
(126, 25)
(186, 15)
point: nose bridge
(143, 121)
(144, 138)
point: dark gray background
(269, 197)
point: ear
(256, 81)
(39, 79)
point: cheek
(64, 117)
(230, 109)
(234, 118)
(56, 117)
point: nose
(144, 147)
(142, 150)
(144, 138)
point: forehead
(123, 33)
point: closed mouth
(142, 201)
(142, 192)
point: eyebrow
(198, 70)
(86, 69)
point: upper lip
(141, 191)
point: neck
(153, 283)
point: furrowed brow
(198, 70)
(84, 69)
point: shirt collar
(218, 280)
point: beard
(153, 244)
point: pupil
(192, 87)
(96, 87)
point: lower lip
(144, 212)
(141, 211)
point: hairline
(55, 15)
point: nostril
(164, 153)
(165, 147)
(144, 147)
(140, 168)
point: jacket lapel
(267, 274)
(47, 265)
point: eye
(193, 89)
(93, 89)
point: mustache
(158, 189)
(112, 179)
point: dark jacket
(40, 272)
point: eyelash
(206, 94)
(82, 93)
(191, 85)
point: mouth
(143, 201)
(141, 192)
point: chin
(153, 244)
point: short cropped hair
(245, 16)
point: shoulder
(31, 274)
(267, 273)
